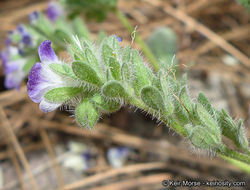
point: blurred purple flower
(54, 11)
(119, 39)
(34, 17)
(117, 156)
(12, 68)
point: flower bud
(86, 114)
(202, 138)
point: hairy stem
(233, 154)
(172, 124)
(147, 52)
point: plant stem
(147, 52)
(242, 165)
(233, 154)
(171, 123)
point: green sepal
(126, 72)
(202, 138)
(114, 89)
(140, 70)
(126, 55)
(91, 59)
(107, 53)
(166, 94)
(206, 119)
(186, 100)
(152, 97)
(105, 106)
(232, 131)
(86, 114)
(86, 73)
(63, 69)
(115, 68)
(202, 99)
(62, 94)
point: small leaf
(91, 58)
(86, 73)
(207, 119)
(105, 106)
(231, 130)
(63, 69)
(114, 89)
(166, 94)
(107, 52)
(86, 114)
(185, 99)
(202, 138)
(115, 68)
(126, 57)
(62, 94)
(126, 72)
(152, 98)
(141, 77)
(202, 99)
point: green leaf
(126, 55)
(115, 68)
(80, 28)
(186, 100)
(141, 77)
(152, 98)
(86, 73)
(105, 106)
(126, 72)
(63, 69)
(206, 119)
(86, 114)
(91, 59)
(113, 90)
(202, 138)
(202, 99)
(166, 94)
(62, 94)
(107, 53)
(232, 131)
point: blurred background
(128, 149)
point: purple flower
(12, 68)
(54, 11)
(42, 78)
(119, 39)
(34, 17)
(26, 37)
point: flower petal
(54, 11)
(46, 106)
(35, 89)
(46, 52)
(14, 80)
